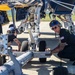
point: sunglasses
(54, 28)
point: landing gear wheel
(2, 60)
(42, 47)
(24, 46)
(1, 63)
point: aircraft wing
(62, 6)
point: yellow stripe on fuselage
(4, 7)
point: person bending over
(66, 48)
(12, 37)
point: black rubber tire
(60, 71)
(24, 46)
(2, 60)
(42, 47)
